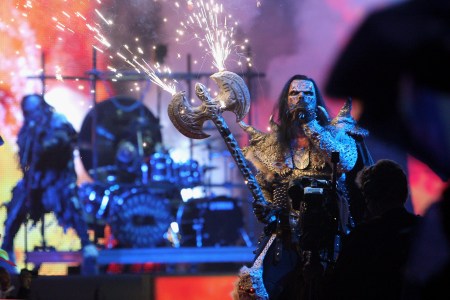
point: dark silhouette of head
(384, 186)
(5, 279)
(25, 277)
(34, 108)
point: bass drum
(211, 222)
(139, 218)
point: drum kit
(136, 184)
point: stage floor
(178, 273)
(134, 287)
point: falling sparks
(154, 73)
(134, 60)
(217, 29)
(218, 37)
(58, 73)
(109, 22)
(206, 22)
(64, 20)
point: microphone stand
(337, 242)
(28, 176)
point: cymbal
(118, 119)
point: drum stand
(198, 228)
(245, 237)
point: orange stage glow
(27, 30)
(194, 287)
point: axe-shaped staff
(233, 96)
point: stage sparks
(217, 31)
(157, 74)
(134, 58)
(99, 27)
(207, 22)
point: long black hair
(286, 132)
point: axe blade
(188, 120)
(233, 93)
